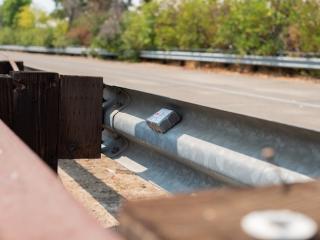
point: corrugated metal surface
(80, 117)
(36, 112)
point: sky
(48, 5)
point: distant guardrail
(271, 61)
(67, 50)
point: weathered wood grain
(6, 87)
(36, 112)
(215, 214)
(80, 117)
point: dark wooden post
(6, 87)
(36, 112)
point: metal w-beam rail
(271, 61)
(228, 147)
(283, 62)
(78, 51)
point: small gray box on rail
(163, 120)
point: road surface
(286, 101)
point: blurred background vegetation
(260, 27)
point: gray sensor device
(163, 120)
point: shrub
(248, 28)
(165, 30)
(138, 29)
(305, 21)
(196, 24)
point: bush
(248, 28)
(7, 36)
(165, 26)
(196, 24)
(59, 37)
(139, 29)
(259, 27)
(305, 20)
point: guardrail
(66, 51)
(271, 61)
(283, 62)
(211, 140)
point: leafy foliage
(10, 9)
(138, 29)
(25, 18)
(196, 24)
(35, 27)
(263, 27)
(248, 28)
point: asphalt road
(288, 101)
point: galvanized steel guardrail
(66, 51)
(211, 140)
(271, 61)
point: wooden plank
(6, 68)
(80, 117)
(215, 214)
(6, 88)
(33, 203)
(36, 112)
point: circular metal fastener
(279, 224)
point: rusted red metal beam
(33, 202)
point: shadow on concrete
(105, 195)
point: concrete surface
(295, 103)
(102, 185)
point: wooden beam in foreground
(33, 202)
(213, 214)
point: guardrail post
(36, 112)
(80, 123)
(6, 68)
(56, 116)
(6, 87)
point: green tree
(10, 9)
(25, 18)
